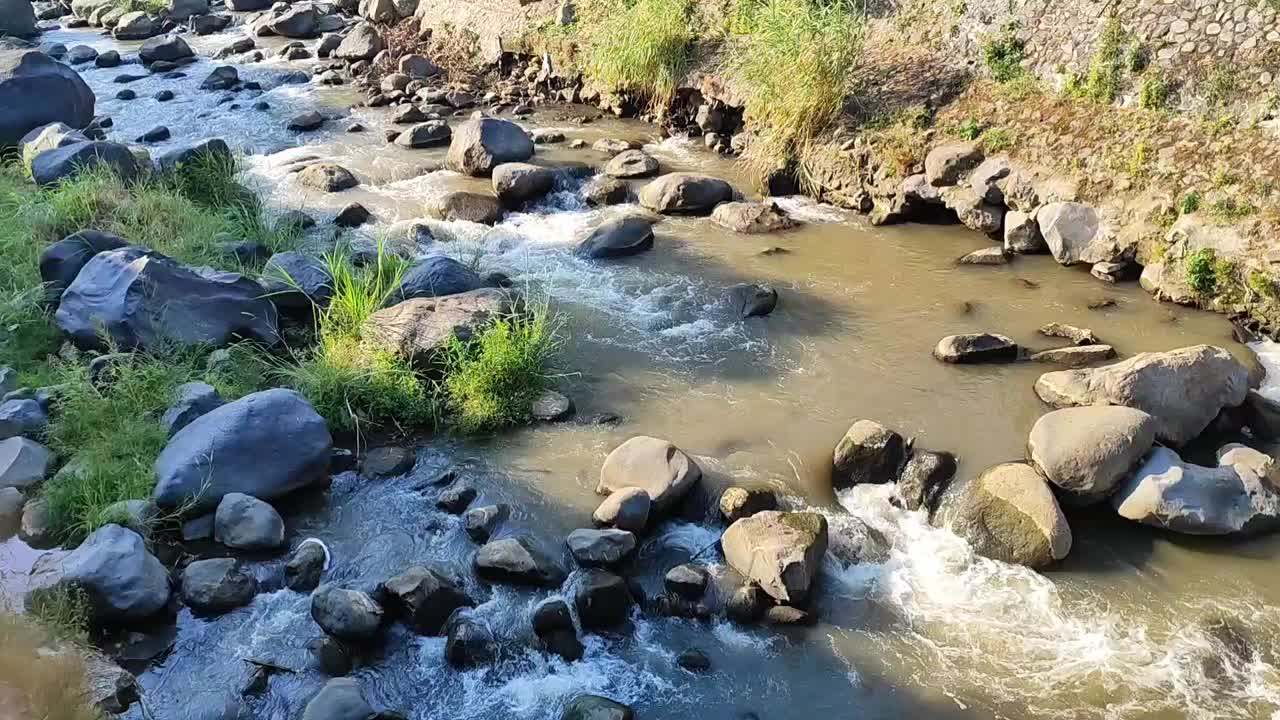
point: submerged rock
(1183, 390)
(517, 184)
(1009, 514)
(656, 466)
(469, 642)
(595, 707)
(751, 300)
(779, 551)
(1076, 356)
(474, 207)
(339, 699)
(686, 193)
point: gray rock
(949, 164)
(362, 43)
(658, 467)
(52, 166)
(332, 655)
(1022, 234)
(600, 548)
(602, 599)
(985, 179)
(779, 551)
(1087, 451)
(1070, 231)
(20, 418)
(737, 503)
(985, 256)
(752, 300)
(752, 218)
(306, 566)
(194, 399)
(621, 237)
(424, 599)
(685, 193)
(602, 192)
(465, 206)
(23, 462)
(972, 211)
(217, 585)
(167, 48)
(136, 26)
(553, 625)
(631, 164)
(688, 581)
(517, 184)
(868, 453)
(924, 478)
(247, 523)
(516, 561)
(305, 122)
(297, 282)
(482, 144)
(438, 275)
(108, 59)
(455, 498)
(595, 707)
(419, 328)
(387, 461)
(626, 509)
(1183, 390)
(11, 504)
(339, 699)
(346, 614)
(210, 24)
(248, 5)
(747, 604)
(121, 579)
(482, 522)
(223, 77)
(37, 528)
(469, 642)
(297, 22)
(552, 406)
(210, 148)
(265, 445)
(1009, 514)
(1074, 357)
(327, 177)
(418, 67)
(144, 300)
(425, 135)
(17, 19)
(976, 348)
(187, 9)
(694, 661)
(198, 528)
(1079, 336)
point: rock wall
(496, 23)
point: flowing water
(1135, 624)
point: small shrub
(1154, 93)
(1221, 86)
(63, 612)
(1229, 209)
(1200, 272)
(1137, 58)
(1101, 83)
(642, 48)
(1003, 55)
(970, 129)
(998, 140)
(1139, 160)
(1223, 177)
(1189, 203)
(1263, 285)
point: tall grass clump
(491, 381)
(209, 180)
(642, 47)
(795, 63)
(52, 685)
(26, 335)
(1004, 53)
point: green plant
(1139, 160)
(1264, 285)
(1154, 93)
(1221, 85)
(1200, 274)
(1189, 203)
(642, 48)
(998, 140)
(1101, 82)
(492, 381)
(1230, 209)
(1004, 53)
(1224, 176)
(209, 180)
(795, 65)
(1137, 58)
(63, 612)
(970, 129)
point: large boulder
(49, 137)
(949, 164)
(51, 166)
(656, 466)
(419, 328)
(620, 237)
(631, 164)
(595, 707)
(1239, 496)
(464, 206)
(327, 177)
(516, 561)
(212, 148)
(924, 479)
(1087, 451)
(217, 585)
(868, 453)
(122, 581)
(23, 462)
(779, 551)
(301, 22)
(482, 144)
(297, 281)
(436, 276)
(425, 135)
(424, 599)
(600, 548)
(63, 260)
(602, 599)
(182, 10)
(346, 614)
(1075, 233)
(1009, 514)
(137, 25)
(339, 699)
(169, 48)
(242, 522)
(469, 642)
(17, 19)
(1183, 390)
(517, 184)
(265, 445)
(364, 42)
(142, 299)
(686, 193)
(752, 218)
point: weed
(998, 140)
(51, 683)
(970, 129)
(1137, 58)
(1004, 54)
(1200, 272)
(642, 48)
(63, 612)
(1263, 285)
(1223, 177)
(1139, 161)
(1230, 209)
(1101, 83)
(1189, 203)
(209, 180)
(1221, 86)
(1154, 93)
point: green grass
(795, 65)
(62, 611)
(1154, 93)
(209, 180)
(1102, 82)
(642, 48)
(491, 382)
(970, 129)
(998, 140)
(1189, 203)
(1004, 53)
(1209, 275)
(1230, 209)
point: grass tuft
(1003, 55)
(642, 48)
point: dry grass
(47, 685)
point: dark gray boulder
(248, 5)
(455, 498)
(424, 599)
(302, 22)
(22, 418)
(266, 445)
(166, 48)
(306, 566)
(217, 585)
(17, 19)
(136, 25)
(924, 478)
(976, 348)
(621, 237)
(193, 400)
(346, 614)
(595, 707)
(469, 642)
(242, 522)
(517, 184)
(122, 581)
(600, 548)
(685, 193)
(223, 77)
(480, 145)
(688, 581)
(297, 282)
(868, 453)
(144, 300)
(516, 561)
(436, 276)
(480, 523)
(11, 503)
(752, 300)
(340, 698)
(553, 625)
(602, 599)
(50, 166)
(36, 90)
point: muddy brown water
(1135, 624)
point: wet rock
(424, 599)
(752, 300)
(425, 135)
(1238, 497)
(602, 192)
(408, 114)
(631, 164)
(626, 508)
(154, 135)
(339, 699)
(469, 642)
(167, 48)
(306, 566)
(438, 275)
(22, 417)
(109, 687)
(456, 498)
(37, 528)
(332, 655)
(1079, 336)
(466, 206)
(613, 146)
(747, 604)
(296, 22)
(1074, 357)
(136, 26)
(297, 53)
(1087, 451)
(658, 467)
(602, 600)
(985, 256)
(547, 136)
(693, 660)
(11, 503)
(297, 282)
(1114, 272)
(972, 212)
(949, 164)
(688, 581)
(327, 177)
(17, 19)
(600, 548)
(595, 707)
(517, 184)
(305, 122)
(553, 625)
(1183, 390)
(685, 193)
(362, 43)
(223, 77)
(779, 551)
(237, 47)
(164, 96)
(976, 348)
(737, 503)
(924, 478)
(417, 329)
(199, 528)
(217, 586)
(122, 581)
(387, 461)
(621, 237)
(265, 445)
(193, 400)
(482, 522)
(752, 218)
(107, 59)
(516, 561)
(346, 614)
(326, 47)
(210, 148)
(23, 462)
(1022, 234)
(247, 523)
(552, 406)
(787, 615)
(51, 166)
(868, 453)
(80, 54)
(482, 144)
(1009, 514)
(210, 24)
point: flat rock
(516, 561)
(620, 237)
(976, 348)
(419, 328)
(1076, 356)
(600, 548)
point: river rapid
(1135, 624)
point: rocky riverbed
(810, 465)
